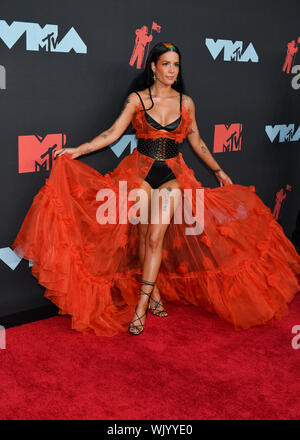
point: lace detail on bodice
(146, 131)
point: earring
(154, 76)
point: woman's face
(167, 67)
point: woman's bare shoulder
(144, 93)
(133, 98)
(188, 102)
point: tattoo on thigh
(166, 200)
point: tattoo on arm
(203, 148)
(192, 131)
(88, 149)
(106, 133)
(127, 101)
(185, 99)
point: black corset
(162, 148)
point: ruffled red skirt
(242, 267)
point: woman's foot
(138, 322)
(156, 305)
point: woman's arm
(108, 136)
(199, 146)
(113, 133)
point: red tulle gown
(241, 268)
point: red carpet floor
(188, 366)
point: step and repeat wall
(64, 69)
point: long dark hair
(145, 79)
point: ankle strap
(149, 283)
(145, 293)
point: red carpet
(188, 366)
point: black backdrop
(73, 96)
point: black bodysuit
(159, 173)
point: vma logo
(231, 51)
(37, 37)
(227, 137)
(119, 146)
(11, 258)
(36, 152)
(285, 133)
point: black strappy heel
(154, 310)
(140, 327)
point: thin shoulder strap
(140, 100)
(150, 98)
(180, 102)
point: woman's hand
(75, 152)
(223, 178)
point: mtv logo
(36, 152)
(227, 137)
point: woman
(241, 266)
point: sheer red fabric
(242, 267)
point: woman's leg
(143, 228)
(155, 295)
(163, 208)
